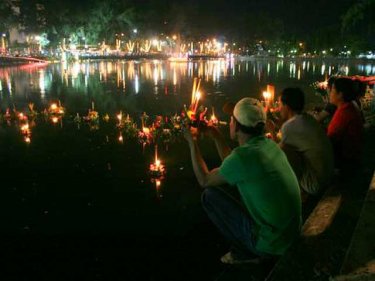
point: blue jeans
(232, 221)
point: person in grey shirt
(305, 143)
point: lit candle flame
(146, 130)
(55, 120)
(158, 184)
(266, 95)
(119, 116)
(197, 96)
(53, 106)
(27, 139)
(25, 127)
(157, 168)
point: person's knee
(208, 196)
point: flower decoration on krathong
(145, 134)
(21, 117)
(32, 113)
(92, 118)
(128, 127)
(56, 109)
(320, 87)
(55, 112)
(161, 130)
(106, 118)
(26, 131)
(195, 114)
(177, 122)
(8, 114)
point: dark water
(159, 87)
(79, 203)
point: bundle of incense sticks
(195, 95)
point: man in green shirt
(267, 185)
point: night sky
(215, 16)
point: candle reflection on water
(82, 77)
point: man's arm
(222, 147)
(205, 177)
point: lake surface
(79, 191)
(160, 87)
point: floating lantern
(146, 130)
(22, 116)
(53, 106)
(55, 119)
(106, 117)
(157, 168)
(25, 129)
(56, 109)
(119, 117)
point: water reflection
(97, 79)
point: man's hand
(211, 131)
(270, 126)
(190, 134)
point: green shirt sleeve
(231, 169)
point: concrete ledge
(306, 252)
(355, 277)
(360, 258)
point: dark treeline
(319, 23)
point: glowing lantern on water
(55, 119)
(157, 168)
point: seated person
(346, 127)
(329, 109)
(359, 89)
(267, 185)
(305, 143)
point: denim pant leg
(230, 219)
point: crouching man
(268, 218)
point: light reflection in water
(323, 69)
(42, 84)
(160, 77)
(292, 70)
(136, 84)
(9, 83)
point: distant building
(16, 35)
